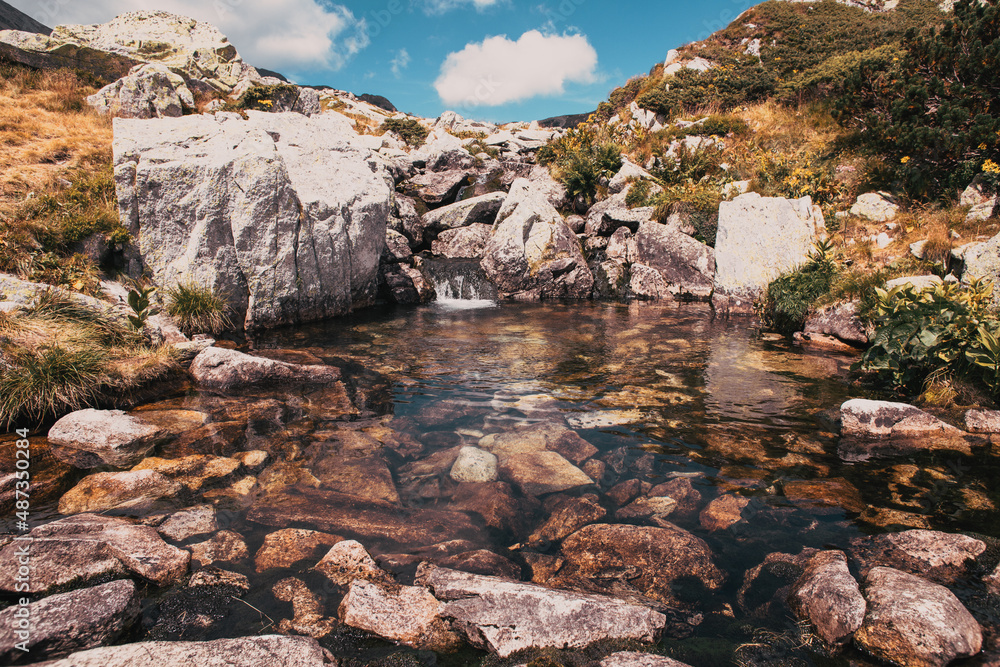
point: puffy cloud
(400, 62)
(441, 6)
(499, 70)
(277, 34)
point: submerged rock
(89, 438)
(538, 473)
(223, 547)
(347, 561)
(307, 609)
(194, 521)
(828, 597)
(133, 491)
(941, 557)
(285, 548)
(474, 465)
(508, 616)
(75, 621)
(409, 615)
(544, 436)
(913, 622)
(565, 518)
(263, 651)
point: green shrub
(789, 298)
(409, 129)
(638, 194)
(198, 309)
(579, 160)
(947, 330)
(698, 203)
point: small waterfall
(460, 283)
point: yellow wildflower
(905, 159)
(991, 167)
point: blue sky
(496, 60)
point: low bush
(409, 129)
(697, 203)
(579, 159)
(198, 309)
(789, 298)
(943, 331)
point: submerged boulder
(280, 214)
(760, 238)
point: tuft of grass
(198, 309)
(60, 355)
(409, 129)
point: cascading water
(460, 283)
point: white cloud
(276, 34)
(441, 6)
(498, 70)
(400, 62)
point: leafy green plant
(638, 194)
(409, 129)
(580, 160)
(790, 297)
(138, 301)
(198, 309)
(946, 329)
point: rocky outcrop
(913, 622)
(481, 210)
(686, 266)
(828, 597)
(464, 243)
(409, 615)
(758, 239)
(863, 418)
(241, 206)
(532, 254)
(506, 616)
(89, 438)
(147, 91)
(262, 651)
(12, 18)
(79, 549)
(74, 621)
(194, 50)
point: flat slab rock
(864, 418)
(913, 622)
(632, 659)
(221, 369)
(940, 557)
(507, 616)
(265, 651)
(89, 438)
(409, 615)
(88, 547)
(74, 621)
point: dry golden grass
(789, 130)
(46, 131)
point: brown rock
(825, 493)
(940, 557)
(409, 615)
(538, 473)
(133, 491)
(193, 472)
(681, 490)
(223, 547)
(347, 561)
(565, 518)
(307, 610)
(496, 504)
(658, 507)
(537, 438)
(982, 421)
(632, 659)
(651, 558)
(482, 562)
(625, 492)
(913, 622)
(723, 512)
(285, 548)
(828, 597)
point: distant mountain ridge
(12, 18)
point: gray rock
(437, 188)
(506, 616)
(478, 210)
(611, 214)
(465, 243)
(758, 239)
(632, 659)
(409, 615)
(148, 91)
(981, 200)
(865, 418)
(89, 438)
(406, 284)
(540, 437)
(281, 239)
(474, 465)
(196, 51)
(840, 321)
(875, 206)
(442, 152)
(224, 370)
(532, 254)
(628, 173)
(686, 266)
(79, 549)
(919, 283)
(263, 651)
(397, 248)
(828, 597)
(911, 621)
(133, 491)
(982, 421)
(622, 246)
(67, 622)
(611, 279)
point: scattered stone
(565, 518)
(223, 547)
(507, 616)
(89, 438)
(651, 558)
(911, 621)
(943, 558)
(474, 465)
(348, 560)
(285, 548)
(87, 547)
(409, 615)
(263, 651)
(875, 206)
(132, 491)
(74, 621)
(189, 523)
(307, 610)
(982, 421)
(723, 512)
(538, 473)
(828, 597)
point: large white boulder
(281, 213)
(149, 91)
(758, 239)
